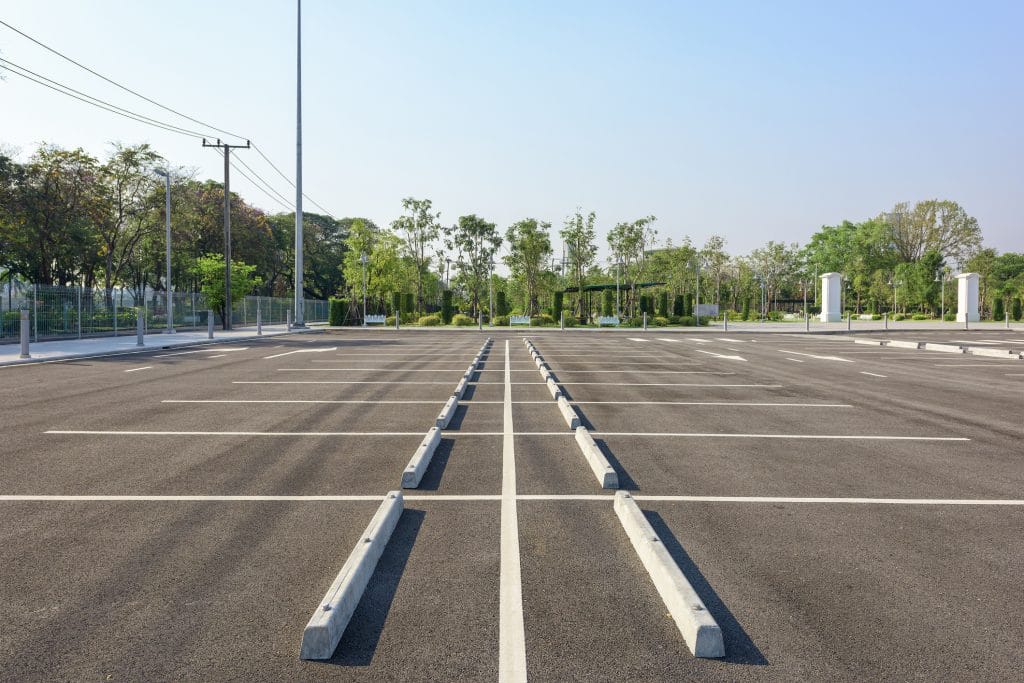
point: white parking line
(729, 404)
(219, 355)
(327, 381)
(144, 367)
(666, 339)
(719, 355)
(511, 630)
(811, 355)
(873, 374)
(114, 432)
(288, 353)
(637, 339)
(599, 497)
(655, 384)
(795, 360)
(825, 437)
(365, 370)
(436, 402)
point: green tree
(998, 312)
(529, 250)
(447, 311)
(933, 225)
(476, 241)
(578, 235)
(421, 229)
(209, 271)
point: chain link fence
(57, 312)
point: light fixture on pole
(167, 222)
(363, 258)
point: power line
(89, 99)
(102, 104)
(255, 184)
(268, 185)
(115, 83)
(105, 107)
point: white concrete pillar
(967, 298)
(831, 298)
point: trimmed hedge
(429, 321)
(446, 307)
(336, 310)
(462, 320)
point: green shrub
(462, 320)
(876, 316)
(501, 320)
(674, 319)
(660, 321)
(998, 310)
(556, 305)
(544, 319)
(389, 321)
(898, 317)
(410, 303)
(1015, 309)
(429, 321)
(408, 318)
(949, 317)
(687, 321)
(446, 307)
(608, 303)
(396, 302)
(920, 316)
(570, 321)
(663, 304)
(336, 309)
(688, 300)
(632, 322)
(745, 313)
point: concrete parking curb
(553, 388)
(699, 629)
(995, 353)
(460, 388)
(603, 470)
(323, 632)
(447, 413)
(421, 459)
(945, 348)
(571, 417)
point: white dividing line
(655, 384)
(511, 630)
(288, 353)
(99, 432)
(719, 355)
(450, 370)
(795, 360)
(699, 341)
(180, 353)
(638, 339)
(970, 365)
(666, 339)
(205, 349)
(297, 401)
(732, 341)
(738, 404)
(219, 355)
(873, 374)
(326, 381)
(144, 367)
(17, 498)
(811, 355)
(646, 372)
(844, 437)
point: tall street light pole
(490, 296)
(300, 318)
(167, 222)
(363, 258)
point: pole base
(299, 326)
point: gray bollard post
(259, 322)
(807, 322)
(725, 319)
(885, 319)
(25, 330)
(140, 317)
(398, 319)
(561, 320)
(645, 320)
(849, 321)
(1007, 321)
(209, 324)
(288, 320)
(479, 321)
(967, 323)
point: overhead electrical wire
(112, 108)
(253, 182)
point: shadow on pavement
(739, 648)
(359, 644)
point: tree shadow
(739, 648)
(431, 479)
(359, 643)
(626, 481)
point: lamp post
(696, 304)
(490, 293)
(363, 258)
(940, 277)
(447, 266)
(618, 276)
(167, 224)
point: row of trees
(69, 218)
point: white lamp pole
(300, 317)
(363, 258)
(167, 224)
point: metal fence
(74, 312)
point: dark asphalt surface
(160, 590)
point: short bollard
(849, 321)
(140, 317)
(398, 319)
(1007, 321)
(561, 320)
(807, 322)
(209, 324)
(24, 322)
(645, 320)
(288, 320)
(885, 320)
(259, 322)
(725, 319)
(480, 321)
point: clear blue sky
(752, 120)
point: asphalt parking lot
(844, 511)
